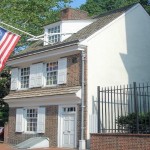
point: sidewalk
(8, 147)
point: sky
(77, 3)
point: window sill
(23, 89)
(30, 132)
(55, 85)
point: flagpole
(36, 37)
(18, 29)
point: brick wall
(120, 142)
(6, 132)
(50, 129)
(73, 79)
(73, 70)
(73, 14)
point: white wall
(120, 53)
(72, 26)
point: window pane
(31, 119)
(52, 69)
(25, 72)
(54, 37)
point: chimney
(73, 14)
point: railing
(124, 109)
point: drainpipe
(82, 141)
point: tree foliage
(4, 90)
(95, 7)
(30, 15)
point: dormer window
(54, 34)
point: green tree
(95, 7)
(30, 15)
(4, 90)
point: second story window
(54, 35)
(51, 73)
(25, 72)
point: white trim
(59, 136)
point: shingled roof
(38, 92)
(101, 21)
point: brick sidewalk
(8, 147)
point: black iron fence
(124, 109)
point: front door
(68, 130)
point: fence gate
(124, 109)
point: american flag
(8, 41)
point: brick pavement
(9, 147)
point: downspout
(82, 141)
(82, 101)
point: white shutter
(14, 79)
(41, 120)
(62, 71)
(19, 120)
(32, 80)
(39, 75)
(36, 75)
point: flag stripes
(7, 45)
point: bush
(130, 123)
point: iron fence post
(136, 106)
(98, 115)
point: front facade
(46, 82)
(48, 109)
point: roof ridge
(125, 8)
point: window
(31, 118)
(54, 37)
(51, 75)
(25, 72)
(69, 109)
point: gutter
(45, 49)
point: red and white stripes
(7, 45)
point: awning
(44, 96)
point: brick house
(47, 96)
